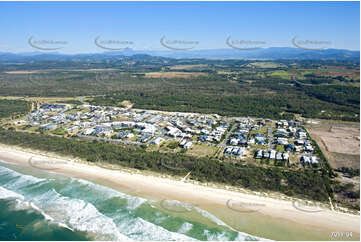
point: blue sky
(208, 23)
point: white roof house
(234, 141)
(157, 141)
(188, 145)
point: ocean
(39, 205)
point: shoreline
(232, 207)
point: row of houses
(312, 160)
(185, 144)
(272, 155)
(237, 151)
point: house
(251, 141)
(72, 129)
(305, 159)
(299, 142)
(157, 141)
(19, 122)
(286, 156)
(301, 134)
(258, 154)
(130, 135)
(155, 119)
(48, 126)
(279, 156)
(234, 141)
(188, 145)
(107, 132)
(282, 141)
(182, 143)
(88, 131)
(289, 147)
(266, 154)
(172, 131)
(272, 155)
(144, 138)
(53, 107)
(121, 135)
(314, 160)
(228, 150)
(308, 148)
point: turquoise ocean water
(38, 205)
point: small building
(279, 156)
(272, 155)
(233, 141)
(228, 150)
(259, 154)
(49, 126)
(182, 143)
(188, 145)
(157, 141)
(286, 156)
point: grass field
(202, 150)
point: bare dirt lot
(174, 74)
(187, 67)
(339, 142)
(338, 139)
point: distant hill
(273, 53)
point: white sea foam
(79, 215)
(139, 229)
(21, 204)
(216, 236)
(5, 193)
(212, 218)
(21, 179)
(108, 193)
(74, 213)
(185, 228)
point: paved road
(224, 142)
(270, 137)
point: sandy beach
(227, 205)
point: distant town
(274, 142)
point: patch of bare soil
(174, 74)
(340, 139)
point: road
(270, 137)
(224, 142)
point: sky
(74, 26)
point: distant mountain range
(274, 53)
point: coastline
(231, 207)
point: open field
(266, 64)
(187, 67)
(174, 74)
(202, 150)
(340, 142)
(340, 139)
